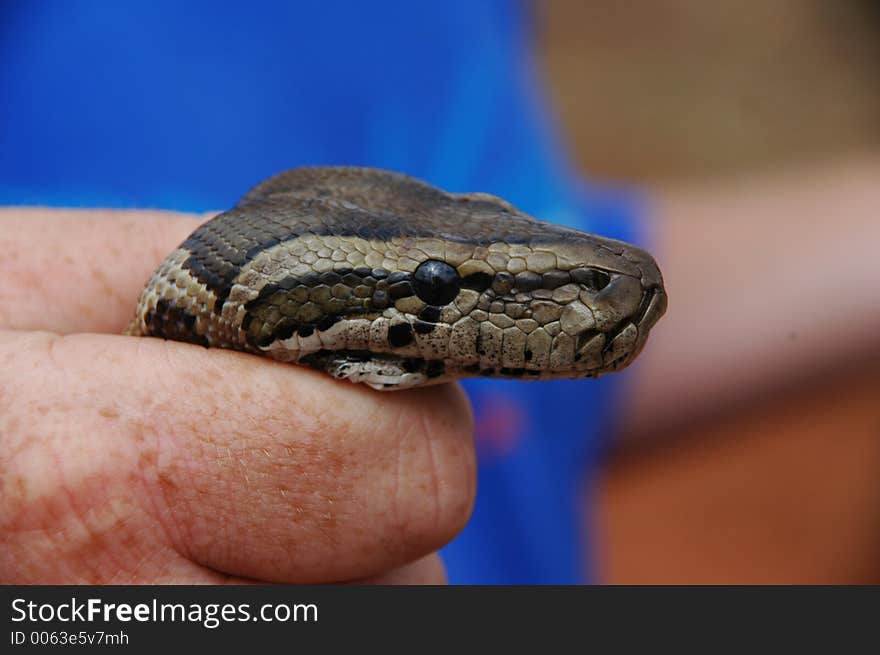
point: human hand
(127, 460)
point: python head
(379, 278)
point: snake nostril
(592, 278)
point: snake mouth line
(650, 309)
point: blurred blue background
(186, 105)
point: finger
(425, 571)
(80, 270)
(249, 467)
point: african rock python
(380, 278)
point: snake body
(380, 278)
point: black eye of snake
(436, 282)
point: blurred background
(679, 90)
(699, 100)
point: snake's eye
(436, 282)
(591, 278)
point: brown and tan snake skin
(376, 277)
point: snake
(376, 277)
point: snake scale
(380, 278)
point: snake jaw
(626, 340)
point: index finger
(140, 449)
(75, 270)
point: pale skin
(772, 278)
(128, 460)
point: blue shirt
(157, 103)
